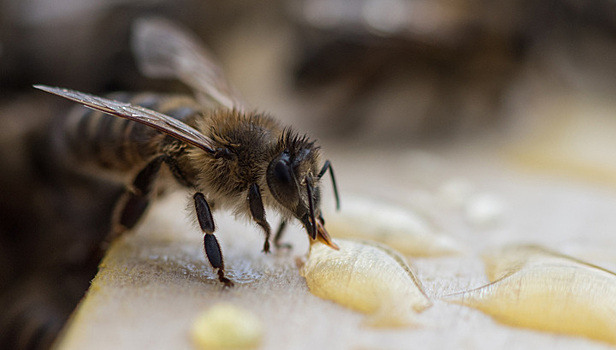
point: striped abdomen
(109, 142)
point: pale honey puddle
(533, 287)
(367, 277)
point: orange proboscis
(324, 237)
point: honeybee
(230, 157)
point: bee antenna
(313, 221)
(328, 166)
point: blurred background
(377, 75)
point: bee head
(291, 178)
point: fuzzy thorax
(251, 142)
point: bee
(227, 155)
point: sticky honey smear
(367, 277)
(539, 289)
(396, 226)
(225, 326)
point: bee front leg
(212, 248)
(278, 236)
(258, 213)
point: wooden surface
(154, 282)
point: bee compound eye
(282, 180)
(283, 172)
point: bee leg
(278, 236)
(212, 248)
(138, 197)
(258, 213)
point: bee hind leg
(212, 248)
(137, 198)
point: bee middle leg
(212, 248)
(258, 213)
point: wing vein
(156, 120)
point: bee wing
(159, 121)
(165, 50)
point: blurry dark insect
(229, 157)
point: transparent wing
(159, 121)
(165, 50)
